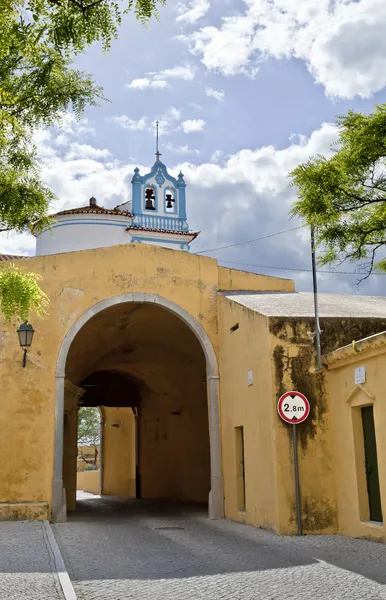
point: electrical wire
(264, 237)
(230, 262)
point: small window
(234, 328)
(149, 199)
(240, 468)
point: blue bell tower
(159, 207)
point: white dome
(85, 228)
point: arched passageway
(152, 371)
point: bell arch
(216, 495)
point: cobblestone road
(27, 570)
(118, 550)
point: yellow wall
(292, 362)
(174, 431)
(249, 406)
(89, 481)
(118, 452)
(75, 282)
(232, 279)
(280, 362)
(89, 453)
(346, 400)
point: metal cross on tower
(158, 153)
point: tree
(20, 293)
(38, 41)
(344, 197)
(89, 432)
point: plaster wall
(89, 453)
(174, 431)
(280, 355)
(118, 458)
(89, 481)
(292, 360)
(175, 243)
(346, 399)
(232, 279)
(75, 282)
(83, 232)
(252, 407)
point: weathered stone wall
(294, 361)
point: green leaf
(344, 197)
(20, 294)
(38, 41)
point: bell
(149, 204)
(169, 201)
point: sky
(245, 90)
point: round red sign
(293, 407)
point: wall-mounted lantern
(25, 333)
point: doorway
(159, 354)
(371, 464)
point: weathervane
(158, 153)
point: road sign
(293, 407)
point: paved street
(27, 569)
(118, 550)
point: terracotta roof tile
(6, 257)
(96, 210)
(138, 228)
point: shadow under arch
(216, 496)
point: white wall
(87, 231)
(83, 232)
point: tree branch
(370, 266)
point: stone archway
(216, 496)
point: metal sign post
(315, 288)
(297, 485)
(294, 408)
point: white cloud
(186, 72)
(193, 125)
(167, 122)
(173, 114)
(86, 151)
(21, 244)
(192, 12)
(67, 128)
(159, 84)
(216, 156)
(146, 83)
(217, 95)
(342, 42)
(180, 149)
(265, 169)
(244, 197)
(124, 121)
(139, 84)
(70, 125)
(159, 79)
(227, 49)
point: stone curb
(65, 581)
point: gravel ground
(119, 550)
(27, 569)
